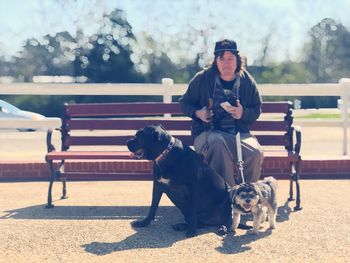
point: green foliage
(286, 72)
(321, 116)
(291, 72)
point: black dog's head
(149, 142)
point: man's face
(227, 65)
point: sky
(284, 23)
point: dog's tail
(271, 181)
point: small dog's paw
(140, 223)
(244, 226)
(222, 230)
(273, 227)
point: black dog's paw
(180, 227)
(244, 226)
(191, 233)
(141, 223)
(222, 230)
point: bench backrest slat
(121, 109)
(277, 107)
(130, 117)
(126, 124)
(133, 124)
(146, 109)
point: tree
(328, 54)
(109, 58)
(6, 67)
(52, 55)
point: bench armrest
(297, 145)
(50, 146)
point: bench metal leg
(297, 186)
(64, 180)
(64, 189)
(55, 174)
(291, 179)
(294, 178)
(52, 178)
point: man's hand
(236, 112)
(204, 114)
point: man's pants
(219, 150)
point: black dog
(178, 171)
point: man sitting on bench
(223, 100)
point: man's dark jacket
(201, 88)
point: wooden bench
(100, 131)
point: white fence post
(345, 86)
(167, 98)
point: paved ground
(93, 225)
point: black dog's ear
(160, 135)
(160, 125)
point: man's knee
(215, 137)
(255, 156)
(216, 141)
(252, 165)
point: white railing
(168, 89)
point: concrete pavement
(93, 225)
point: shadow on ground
(158, 235)
(84, 212)
(147, 237)
(233, 244)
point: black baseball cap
(225, 45)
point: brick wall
(311, 169)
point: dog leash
(240, 161)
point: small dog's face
(148, 142)
(246, 196)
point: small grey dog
(254, 198)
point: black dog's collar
(167, 150)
